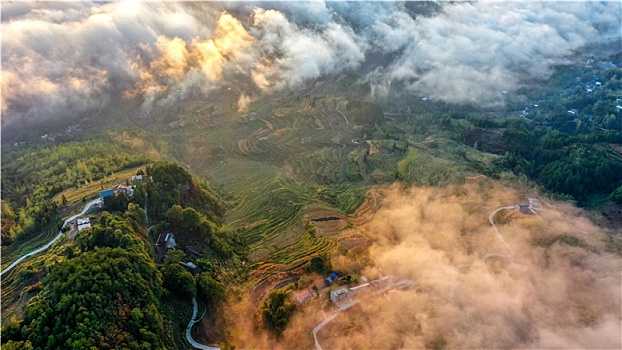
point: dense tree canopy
(276, 311)
(172, 185)
(32, 176)
(209, 289)
(616, 195)
(179, 281)
(319, 264)
(106, 297)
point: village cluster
(165, 241)
(84, 222)
(342, 295)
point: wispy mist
(561, 289)
(546, 296)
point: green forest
(108, 292)
(36, 174)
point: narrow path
(494, 226)
(322, 324)
(193, 320)
(49, 244)
(486, 256)
(428, 141)
(343, 115)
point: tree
(178, 280)
(276, 311)
(116, 202)
(316, 265)
(319, 264)
(616, 195)
(89, 301)
(209, 289)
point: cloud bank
(63, 59)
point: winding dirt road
(49, 244)
(398, 284)
(494, 226)
(343, 115)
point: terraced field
(290, 153)
(24, 281)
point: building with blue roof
(105, 193)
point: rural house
(523, 208)
(339, 294)
(105, 193)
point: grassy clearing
(92, 189)
(402, 165)
(24, 281)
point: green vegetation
(173, 185)
(116, 202)
(320, 265)
(402, 165)
(616, 196)
(191, 226)
(178, 280)
(105, 291)
(74, 195)
(291, 152)
(209, 289)
(276, 311)
(364, 112)
(574, 165)
(32, 176)
(107, 296)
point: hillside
(116, 260)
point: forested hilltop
(112, 287)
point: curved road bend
(492, 222)
(49, 244)
(195, 308)
(486, 256)
(322, 324)
(343, 115)
(193, 320)
(400, 283)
